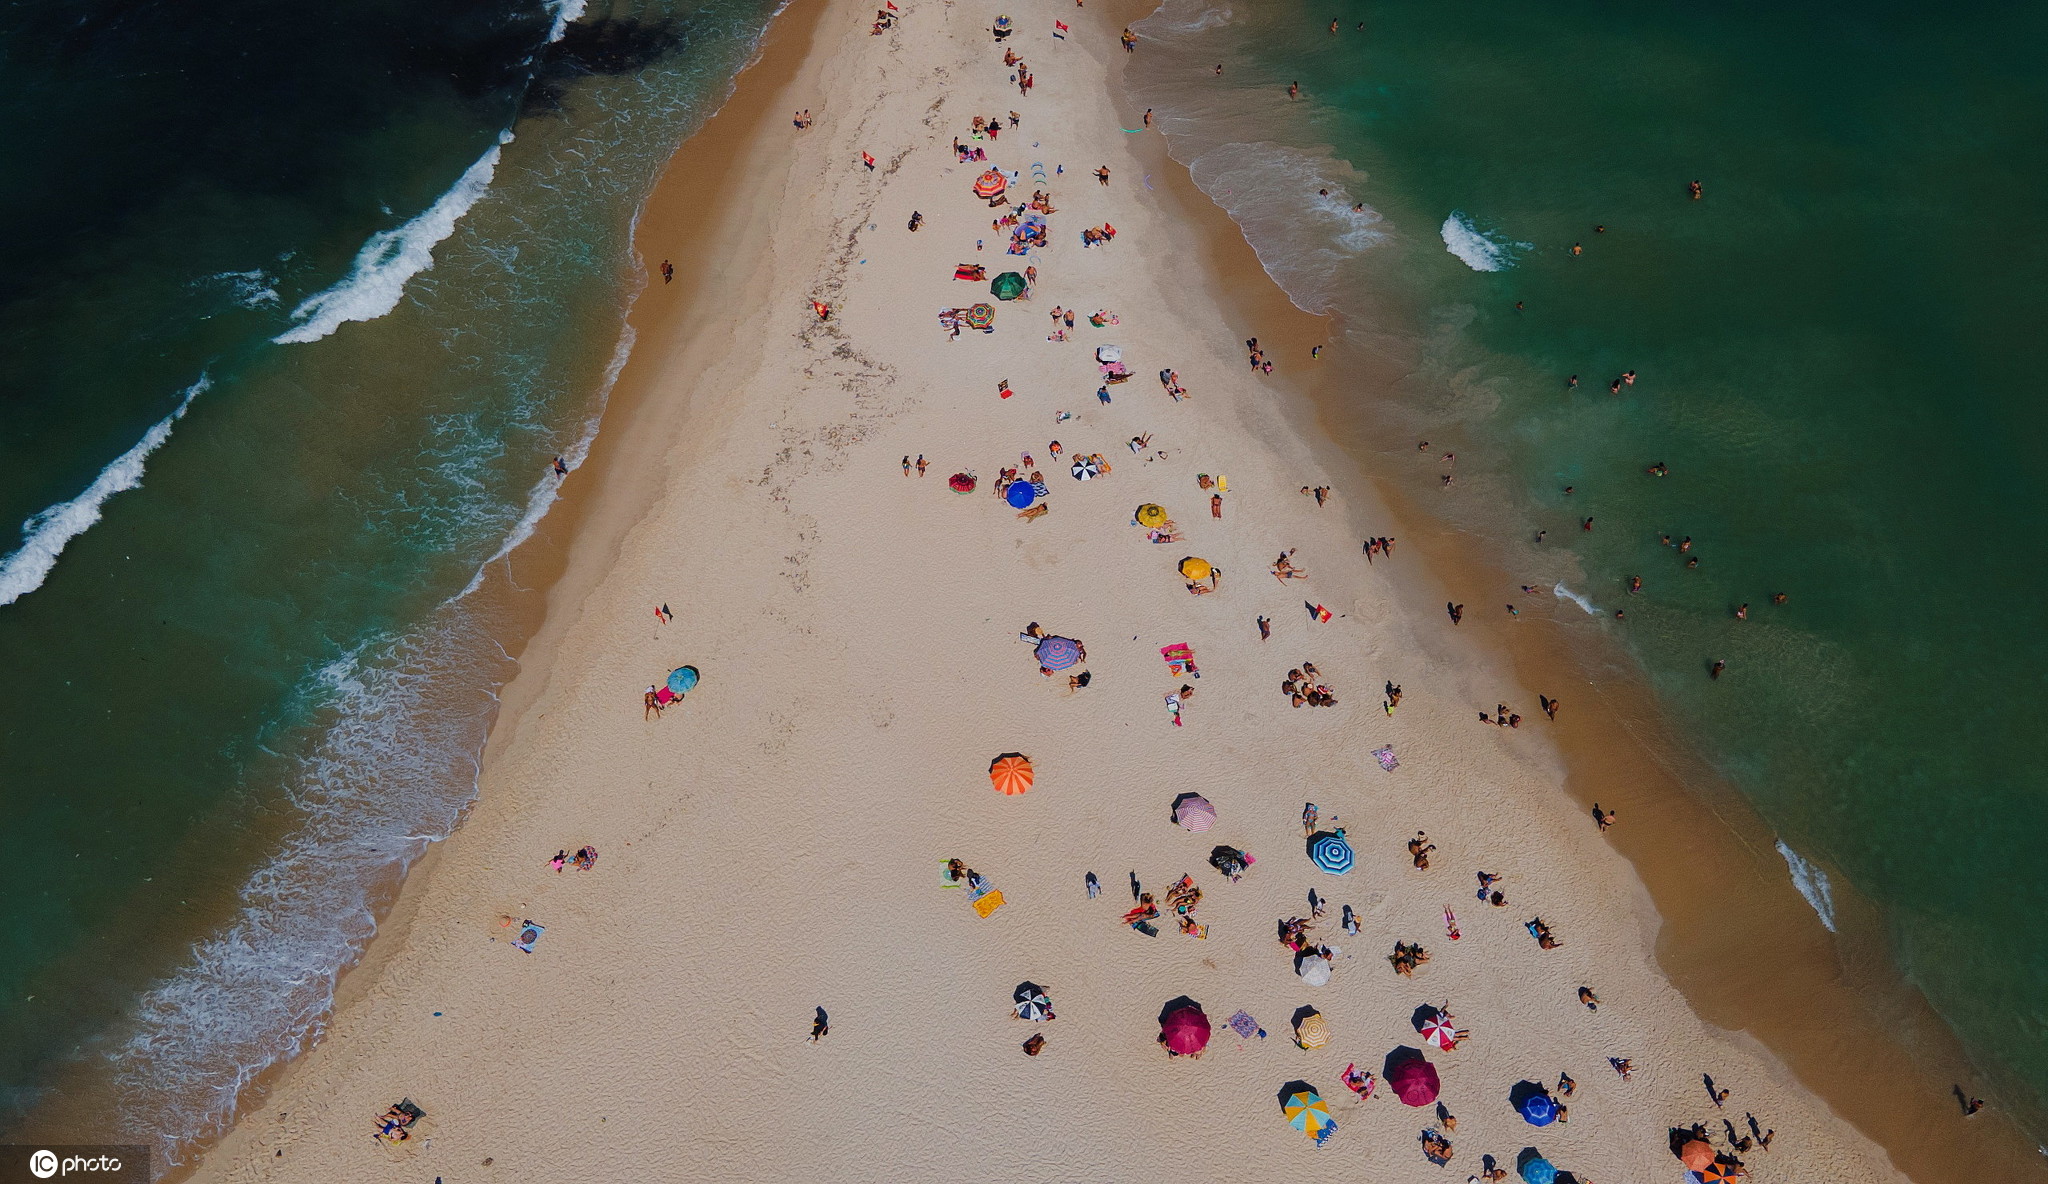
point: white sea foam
(1812, 884)
(541, 498)
(1579, 598)
(389, 260)
(566, 13)
(1480, 250)
(45, 535)
(1204, 18)
(390, 776)
(1303, 238)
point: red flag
(867, 160)
(1060, 25)
(892, 5)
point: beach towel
(528, 934)
(988, 902)
(1386, 758)
(1243, 1024)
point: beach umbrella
(1697, 1155)
(1195, 568)
(961, 483)
(1312, 1030)
(1413, 1080)
(1086, 468)
(1195, 813)
(1331, 853)
(991, 184)
(1186, 1031)
(1720, 1172)
(1008, 286)
(1538, 1109)
(1010, 773)
(1032, 1003)
(1307, 1112)
(1058, 653)
(682, 680)
(981, 316)
(1537, 1170)
(1439, 1032)
(1314, 970)
(1150, 516)
(1020, 494)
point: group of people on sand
(1406, 957)
(1283, 568)
(1257, 357)
(1303, 687)
(584, 859)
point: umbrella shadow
(1178, 1003)
(1524, 1090)
(1303, 1012)
(1292, 1088)
(1401, 1056)
(1424, 1015)
(1173, 810)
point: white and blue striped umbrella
(1331, 853)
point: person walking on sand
(1265, 628)
(1094, 886)
(1215, 505)
(1587, 997)
(653, 702)
(1457, 611)
(921, 464)
(668, 272)
(906, 464)
(1102, 175)
(820, 1026)
(1604, 818)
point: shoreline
(577, 547)
(1830, 1033)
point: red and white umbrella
(1195, 813)
(1439, 1032)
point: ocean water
(1834, 349)
(298, 304)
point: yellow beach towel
(989, 901)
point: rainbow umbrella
(1308, 1113)
(1010, 773)
(981, 316)
(1058, 653)
(991, 184)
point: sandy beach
(776, 842)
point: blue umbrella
(1536, 1169)
(1538, 1110)
(1331, 853)
(682, 680)
(1021, 494)
(1058, 653)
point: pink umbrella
(1414, 1081)
(1195, 813)
(1186, 1031)
(1439, 1032)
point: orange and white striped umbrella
(1010, 773)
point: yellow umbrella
(1150, 515)
(1312, 1031)
(1195, 569)
(1308, 1113)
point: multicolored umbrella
(1331, 853)
(1195, 813)
(1020, 494)
(1720, 1172)
(1010, 773)
(991, 184)
(1186, 1031)
(682, 680)
(961, 483)
(1058, 653)
(1008, 286)
(1196, 568)
(1150, 516)
(1308, 1113)
(1032, 1003)
(1414, 1081)
(981, 316)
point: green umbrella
(1008, 286)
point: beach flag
(892, 6)
(867, 160)
(1316, 612)
(1059, 30)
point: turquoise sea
(299, 304)
(1835, 349)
